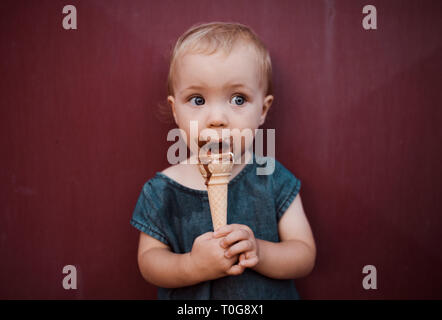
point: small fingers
(240, 247)
(250, 262)
(235, 270)
(235, 236)
(205, 236)
(228, 228)
(223, 231)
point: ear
(171, 101)
(268, 100)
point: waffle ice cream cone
(216, 169)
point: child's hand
(239, 239)
(208, 258)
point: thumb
(235, 270)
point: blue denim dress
(175, 215)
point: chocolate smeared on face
(208, 174)
(209, 157)
(209, 145)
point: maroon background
(357, 117)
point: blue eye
(198, 100)
(238, 100)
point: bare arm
(295, 255)
(161, 267)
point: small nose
(217, 117)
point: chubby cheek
(184, 115)
(183, 119)
(192, 128)
(247, 126)
(243, 138)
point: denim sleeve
(147, 214)
(286, 187)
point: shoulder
(157, 194)
(162, 183)
(284, 178)
(269, 166)
(153, 187)
(282, 171)
(284, 184)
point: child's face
(219, 92)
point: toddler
(220, 77)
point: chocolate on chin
(218, 146)
(214, 152)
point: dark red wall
(357, 117)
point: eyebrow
(239, 85)
(235, 85)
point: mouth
(215, 155)
(216, 145)
(215, 150)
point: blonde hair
(208, 38)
